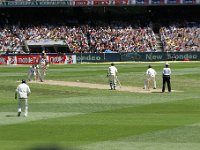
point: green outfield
(101, 119)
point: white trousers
(112, 81)
(150, 80)
(23, 103)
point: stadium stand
(81, 39)
(100, 29)
(180, 39)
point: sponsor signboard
(142, 2)
(90, 57)
(157, 2)
(121, 2)
(35, 59)
(173, 1)
(62, 59)
(24, 59)
(34, 3)
(57, 59)
(100, 57)
(100, 2)
(3, 60)
(81, 2)
(189, 1)
(70, 3)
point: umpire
(166, 77)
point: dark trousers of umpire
(166, 78)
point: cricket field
(91, 118)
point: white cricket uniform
(150, 78)
(43, 64)
(32, 72)
(112, 73)
(23, 91)
(38, 74)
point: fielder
(112, 74)
(150, 78)
(22, 92)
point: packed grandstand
(101, 29)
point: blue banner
(156, 2)
(146, 56)
(189, 1)
(90, 57)
(142, 2)
(172, 2)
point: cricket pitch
(98, 86)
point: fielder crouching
(112, 74)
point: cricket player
(150, 78)
(112, 74)
(38, 74)
(43, 65)
(32, 72)
(22, 92)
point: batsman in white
(22, 93)
(43, 64)
(112, 74)
(32, 73)
(38, 74)
(150, 78)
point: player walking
(112, 74)
(150, 78)
(22, 92)
(166, 77)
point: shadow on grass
(11, 115)
(157, 92)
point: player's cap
(166, 64)
(112, 64)
(149, 66)
(23, 81)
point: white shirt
(151, 72)
(166, 71)
(23, 90)
(32, 70)
(112, 70)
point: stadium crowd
(81, 39)
(180, 39)
(98, 39)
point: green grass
(93, 119)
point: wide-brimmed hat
(166, 64)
